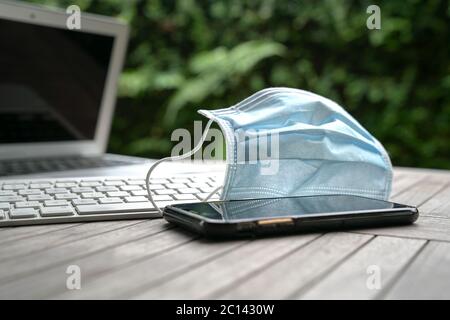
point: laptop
(57, 96)
(57, 89)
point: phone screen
(238, 210)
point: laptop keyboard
(27, 166)
(70, 200)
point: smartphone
(253, 217)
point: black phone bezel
(316, 223)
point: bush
(189, 54)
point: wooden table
(152, 259)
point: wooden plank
(349, 280)
(11, 234)
(428, 225)
(52, 281)
(421, 191)
(428, 228)
(438, 205)
(408, 177)
(227, 270)
(123, 282)
(398, 174)
(428, 277)
(39, 261)
(426, 171)
(283, 278)
(400, 185)
(59, 237)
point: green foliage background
(188, 54)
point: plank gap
(319, 277)
(139, 290)
(44, 266)
(385, 291)
(219, 292)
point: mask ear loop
(176, 158)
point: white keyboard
(44, 201)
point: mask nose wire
(176, 158)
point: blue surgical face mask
(288, 142)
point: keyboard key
(2, 214)
(163, 197)
(82, 189)
(110, 200)
(92, 195)
(136, 199)
(90, 184)
(115, 208)
(162, 204)
(158, 181)
(185, 197)
(156, 186)
(8, 193)
(56, 190)
(176, 185)
(180, 180)
(27, 192)
(14, 186)
(57, 211)
(139, 193)
(118, 194)
(114, 183)
(200, 179)
(106, 189)
(11, 198)
(208, 189)
(215, 197)
(77, 202)
(203, 196)
(39, 197)
(136, 182)
(66, 196)
(130, 188)
(165, 191)
(198, 185)
(53, 203)
(4, 206)
(65, 184)
(188, 190)
(22, 213)
(28, 204)
(40, 185)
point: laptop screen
(51, 82)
